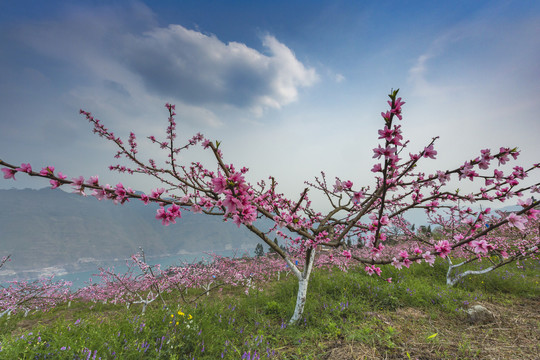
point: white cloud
(201, 69)
(102, 46)
(339, 78)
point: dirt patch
(515, 334)
(354, 351)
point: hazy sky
(289, 87)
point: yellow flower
(177, 323)
(172, 315)
(190, 317)
(181, 313)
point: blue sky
(289, 87)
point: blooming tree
(517, 239)
(359, 215)
(42, 294)
(142, 283)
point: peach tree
(359, 215)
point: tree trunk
(303, 280)
(300, 300)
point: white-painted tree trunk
(452, 279)
(144, 307)
(248, 286)
(206, 288)
(303, 281)
(300, 300)
(7, 311)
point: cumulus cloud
(201, 69)
(171, 62)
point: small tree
(259, 251)
(361, 214)
(514, 241)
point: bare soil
(515, 335)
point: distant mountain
(48, 231)
(52, 228)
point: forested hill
(44, 228)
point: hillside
(51, 228)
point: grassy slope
(348, 316)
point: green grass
(348, 309)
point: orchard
(366, 225)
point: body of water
(82, 278)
